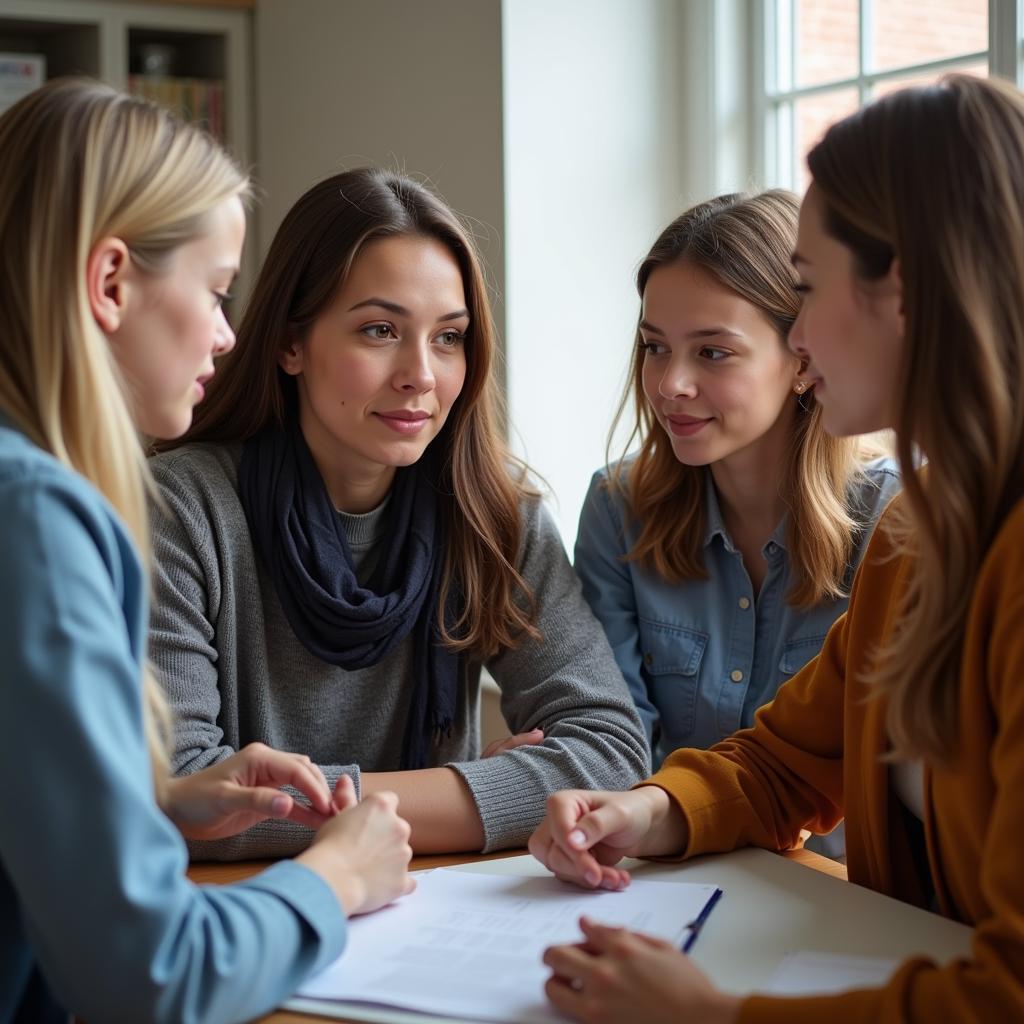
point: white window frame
(770, 146)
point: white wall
(593, 170)
(408, 84)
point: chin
(167, 426)
(693, 457)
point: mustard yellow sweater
(814, 755)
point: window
(825, 58)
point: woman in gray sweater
(344, 543)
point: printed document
(470, 945)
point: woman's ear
(290, 357)
(106, 273)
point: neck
(748, 485)
(357, 495)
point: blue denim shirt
(93, 893)
(701, 656)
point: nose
(678, 381)
(224, 336)
(415, 371)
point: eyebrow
(394, 307)
(797, 258)
(704, 332)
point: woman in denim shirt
(718, 556)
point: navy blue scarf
(302, 543)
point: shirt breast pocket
(798, 652)
(672, 656)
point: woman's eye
(222, 297)
(379, 332)
(715, 355)
(652, 348)
(801, 288)
(451, 338)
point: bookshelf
(193, 57)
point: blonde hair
(481, 485)
(745, 243)
(81, 162)
(934, 178)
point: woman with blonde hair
(911, 258)
(347, 542)
(718, 556)
(121, 231)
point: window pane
(893, 85)
(915, 31)
(827, 41)
(812, 117)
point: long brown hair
(80, 161)
(934, 178)
(311, 254)
(745, 243)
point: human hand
(363, 852)
(522, 739)
(235, 794)
(584, 834)
(616, 975)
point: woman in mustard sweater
(911, 720)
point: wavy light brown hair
(934, 178)
(745, 243)
(311, 254)
(79, 162)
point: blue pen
(698, 922)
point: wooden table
(221, 874)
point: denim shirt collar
(716, 524)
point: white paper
(470, 945)
(803, 974)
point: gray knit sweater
(236, 673)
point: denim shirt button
(736, 675)
(744, 603)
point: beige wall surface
(406, 84)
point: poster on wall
(20, 73)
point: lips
(684, 426)
(201, 383)
(409, 415)
(406, 422)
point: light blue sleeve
(607, 583)
(118, 930)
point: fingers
(569, 840)
(410, 885)
(523, 739)
(345, 793)
(568, 961)
(600, 937)
(266, 766)
(564, 810)
(596, 825)
(564, 997)
(303, 815)
(581, 868)
(261, 800)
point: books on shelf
(20, 73)
(192, 99)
